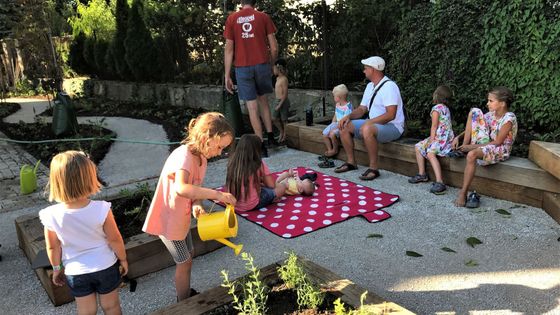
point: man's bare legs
(264, 109)
(369, 133)
(346, 137)
(252, 107)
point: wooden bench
(517, 179)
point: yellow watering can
(28, 178)
(219, 225)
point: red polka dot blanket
(335, 200)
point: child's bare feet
(330, 153)
(461, 199)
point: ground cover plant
(172, 118)
(130, 209)
(6, 109)
(97, 149)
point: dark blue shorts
(102, 282)
(253, 81)
(267, 197)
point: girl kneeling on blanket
(249, 179)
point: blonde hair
(340, 90)
(204, 128)
(72, 176)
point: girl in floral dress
(488, 139)
(439, 142)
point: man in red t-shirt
(250, 38)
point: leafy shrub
(254, 293)
(293, 275)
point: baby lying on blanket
(289, 183)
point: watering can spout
(236, 248)
(218, 226)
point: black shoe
(271, 140)
(264, 150)
(473, 200)
(312, 177)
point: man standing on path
(249, 35)
(385, 122)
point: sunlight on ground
(542, 279)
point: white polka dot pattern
(334, 201)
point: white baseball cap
(374, 62)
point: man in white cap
(384, 123)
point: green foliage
(117, 45)
(364, 309)
(520, 48)
(253, 297)
(76, 58)
(473, 241)
(413, 254)
(293, 275)
(94, 19)
(438, 43)
(139, 45)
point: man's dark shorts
(253, 81)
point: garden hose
(87, 139)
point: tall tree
(117, 48)
(139, 45)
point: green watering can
(28, 178)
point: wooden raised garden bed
(214, 300)
(145, 254)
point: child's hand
(277, 108)
(123, 267)
(58, 278)
(227, 198)
(455, 143)
(198, 210)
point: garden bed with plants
(145, 253)
(295, 286)
(97, 149)
(172, 118)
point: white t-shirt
(84, 244)
(389, 94)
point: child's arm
(334, 118)
(435, 122)
(268, 181)
(184, 189)
(54, 251)
(197, 208)
(455, 142)
(115, 241)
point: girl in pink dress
(179, 192)
(488, 139)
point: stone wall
(205, 96)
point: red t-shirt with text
(249, 28)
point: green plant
(254, 293)
(364, 309)
(293, 275)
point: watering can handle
(36, 166)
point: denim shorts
(253, 81)
(266, 197)
(102, 282)
(385, 133)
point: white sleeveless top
(84, 244)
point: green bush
(117, 45)
(520, 49)
(139, 46)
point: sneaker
(438, 188)
(418, 178)
(473, 200)
(271, 140)
(264, 150)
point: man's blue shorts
(385, 133)
(253, 81)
